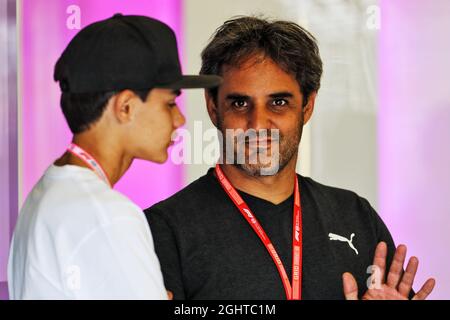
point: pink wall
(414, 132)
(45, 134)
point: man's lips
(261, 141)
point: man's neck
(113, 161)
(275, 188)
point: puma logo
(343, 239)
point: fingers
(425, 290)
(405, 286)
(169, 295)
(396, 269)
(350, 286)
(379, 259)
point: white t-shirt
(76, 238)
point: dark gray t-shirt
(207, 250)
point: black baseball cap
(125, 52)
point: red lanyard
(294, 292)
(89, 160)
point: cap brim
(192, 82)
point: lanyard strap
(89, 160)
(294, 292)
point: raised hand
(398, 284)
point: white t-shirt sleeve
(116, 260)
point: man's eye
(279, 102)
(172, 104)
(239, 104)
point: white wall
(8, 132)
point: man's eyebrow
(236, 96)
(282, 94)
(176, 92)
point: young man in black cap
(257, 230)
(77, 238)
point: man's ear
(212, 107)
(124, 106)
(309, 108)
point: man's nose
(259, 118)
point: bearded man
(251, 228)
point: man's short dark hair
(81, 110)
(293, 48)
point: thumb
(169, 295)
(350, 286)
